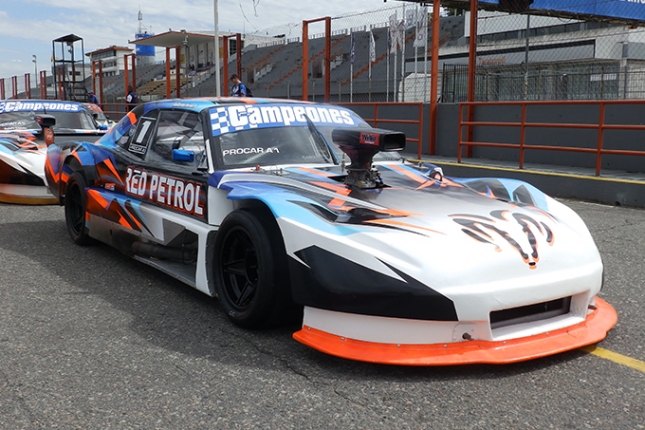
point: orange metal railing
(523, 124)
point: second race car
(26, 128)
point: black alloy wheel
(251, 275)
(75, 208)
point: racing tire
(75, 209)
(251, 272)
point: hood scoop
(360, 145)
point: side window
(136, 138)
(177, 130)
(138, 144)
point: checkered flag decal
(221, 124)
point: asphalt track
(92, 340)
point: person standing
(239, 89)
(132, 99)
(91, 97)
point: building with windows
(111, 59)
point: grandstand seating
(275, 70)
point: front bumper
(592, 330)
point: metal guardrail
(470, 123)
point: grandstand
(273, 68)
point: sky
(29, 26)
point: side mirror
(183, 155)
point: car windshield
(80, 120)
(18, 121)
(99, 116)
(271, 146)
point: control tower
(145, 54)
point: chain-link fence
(384, 55)
(525, 57)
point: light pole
(218, 91)
(185, 60)
(35, 61)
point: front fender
(63, 160)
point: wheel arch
(74, 162)
(259, 208)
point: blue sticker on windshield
(39, 106)
(228, 119)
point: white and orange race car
(245, 200)
(26, 127)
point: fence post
(522, 134)
(327, 59)
(305, 60)
(472, 64)
(225, 61)
(168, 71)
(27, 85)
(434, 78)
(601, 129)
(178, 71)
(14, 87)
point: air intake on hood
(360, 145)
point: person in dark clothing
(239, 89)
(132, 99)
(91, 97)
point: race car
(245, 200)
(99, 116)
(26, 127)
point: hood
(415, 217)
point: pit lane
(92, 339)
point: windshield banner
(38, 106)
(232, 118)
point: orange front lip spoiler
(590, 331)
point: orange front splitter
(590, 331)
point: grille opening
(530, 313)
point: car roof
(198, 104)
